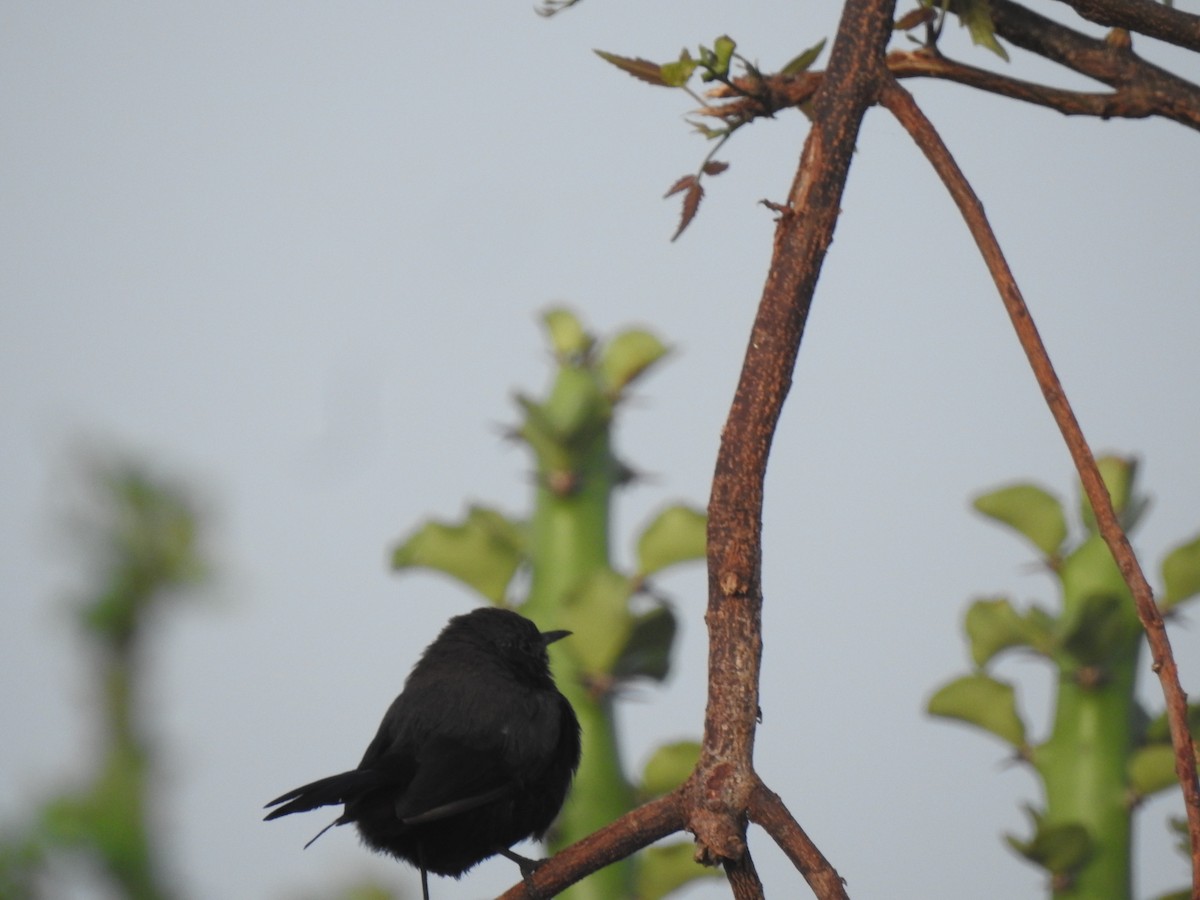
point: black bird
(475, 755)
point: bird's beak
(549, 637)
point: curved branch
(900, 103)
(1149, 17)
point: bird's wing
(453, 778)
(459, 806)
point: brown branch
(1140, 88)
(1126, 102)
(723, 792)
(723, 782)
(636, 829)
(900, 103)
(769, 811)
(743, 879)
(1111, 62)
(1149, 17)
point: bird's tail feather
(326, 792)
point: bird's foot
(528, 867)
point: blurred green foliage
(1104, 754)
(143, 537)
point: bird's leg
(424, 874)
(528, 867)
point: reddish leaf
(682, 184)
(691, 203)
(641, 69)
(715, 167)
(913, 18)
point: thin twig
(901, 104)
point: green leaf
(576, 406)
(1090, 570)
(1152, 769)
(647, 653)
(977, 16)
(641, 69)
(567, 335)
(1029, 510)
(667, 768)
(993, 626)
(667, 867)
(709, 133)
(676, 74)
(1119, 475)
(540, 433)
(1181, 574)
(983, 702)
(804, 61)
(1060, 848)
(483, 552)
(1158, 730)
(677, 534)
(1179, 826)
(600, 610)
(723, 49)
(628, 356)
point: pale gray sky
(296, 250)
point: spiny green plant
(624, 629)
(1104, 754)
(144, 535)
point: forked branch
(1138, 88)
(724, 793)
